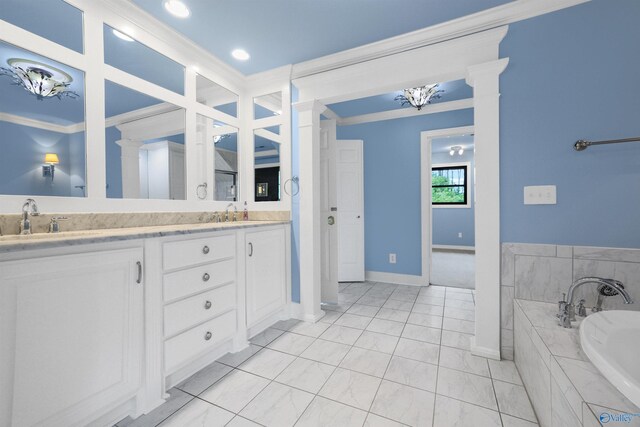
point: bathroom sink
(611, 340)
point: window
(449, 185)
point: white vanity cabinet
(71, 334)
(199, 295)
(266, 275)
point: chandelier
(419, 96)
(218, 138)
(42, 80)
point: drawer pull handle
(139, 266)
(207, 305)
(206, 277)
(250, 249)
(208, 336)
(205, 250)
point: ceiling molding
(470, 24)
(39, 124)
(331, 115)
(407, 112)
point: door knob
(331, 220)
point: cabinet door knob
(207, 305)
(205, 249)
(206, 277)
(208, 336)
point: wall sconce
(51, 159)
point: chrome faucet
(226, 212)
(566, 309)
(28, 208)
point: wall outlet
(392, 258)
(460, 235)
(540, 195)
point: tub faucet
(566, 309)
(226, 212)
(28, 208)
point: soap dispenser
(245, 213)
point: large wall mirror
(123, 52)
(216, 96)
(42, 124)
(145, 146)
(267, 105)
(219, 147)
(55, 20)
(267, 164)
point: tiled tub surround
(544, 272)
(100, 221)
(387, 355)
(566, 389)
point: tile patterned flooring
(386, 355)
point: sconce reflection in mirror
(50, 160)
(42, 80)
(262, 189)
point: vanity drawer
(186, 253)
(203, 337)
(196, 279)
(198, 308)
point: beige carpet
(453, 268)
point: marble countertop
(561, 351)
(13, 243)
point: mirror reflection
(266, 165)
(145, 151)
(216, 96)
(42, 136)
(222, 141)
(123, 52)
(46, 19)
(267, 105)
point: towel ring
(294, 180)
(200, 189)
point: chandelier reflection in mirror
(419, 96)
(218, 138)
(42, 80)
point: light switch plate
(540, 195)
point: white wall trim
(39, 124)
(401, 113)
(489, 353)
(396, 278)
(454, 248)
(466, 25)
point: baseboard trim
(396, 278)
(454, 248)
(484, 351)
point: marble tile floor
(386, 355)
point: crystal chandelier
(42, 80)
(218, 138)
(419, 96)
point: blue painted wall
(23, 151)
(114, 163)
(448, 222)
(392, 187)
(572, 74)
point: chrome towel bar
(583, 144)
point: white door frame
(426, 140)
(474, 58)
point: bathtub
(611, 340)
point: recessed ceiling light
(122, 36)
(240, 54)
(177, 8)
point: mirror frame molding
(129, 19)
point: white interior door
(350, 197)
(328, 206)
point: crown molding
(401, 113)
(470, 24)
(39, 124)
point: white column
(485, 79)
(130, 155)
(310, 264)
